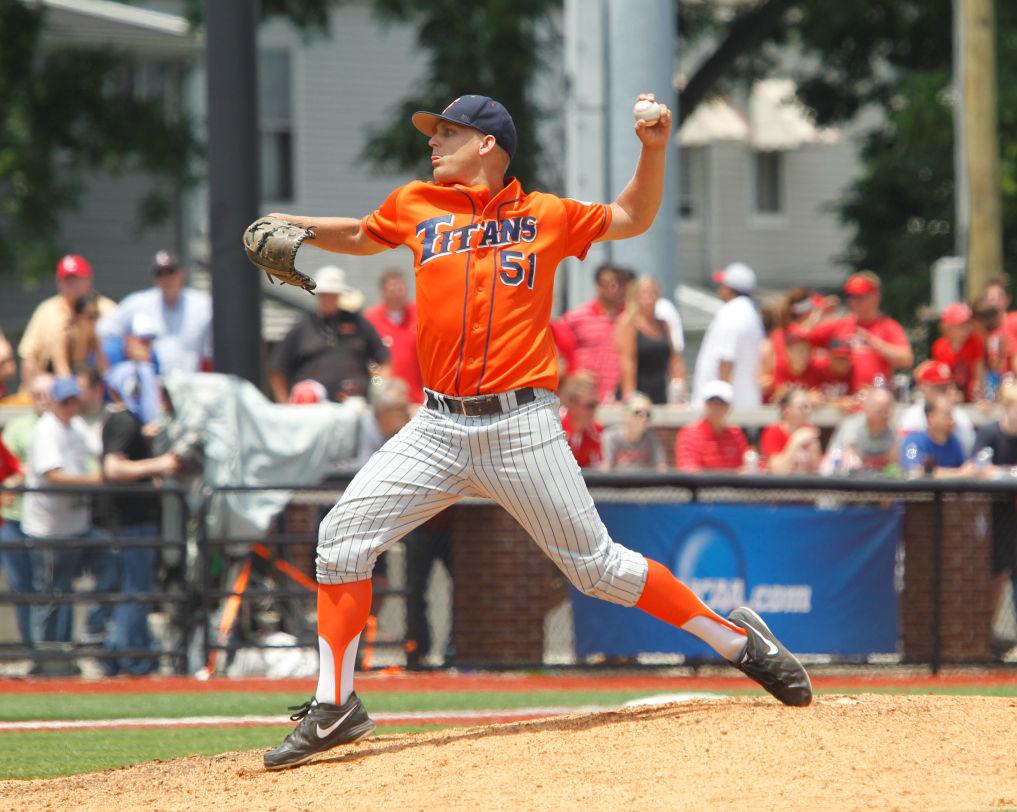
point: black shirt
(122, 434)
(1003, 445)
(335, 352)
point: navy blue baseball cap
(482, 113)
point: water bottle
(983, 460)
(750, 461)
(836, 461)
(992, 380)
(913, 467)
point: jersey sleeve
(382, 225)
(585, 223)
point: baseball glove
(272, 245)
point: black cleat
(770, 664)
(321, 726)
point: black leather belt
(480, 405)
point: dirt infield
(845, 752)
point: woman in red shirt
(791, 445)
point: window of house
(275, 109)
(768, 175)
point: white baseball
(646, 110)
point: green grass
(51, 753)
(25, 707)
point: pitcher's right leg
(412, 477)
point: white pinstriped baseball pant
(520, 459)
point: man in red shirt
(395, 319)
(878, 343)
(589, 329)
(710, 444)
(961, 349)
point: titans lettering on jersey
(438, 238)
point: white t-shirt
(70, 448)
(914, 419)
(734, 335)
(664, 310)
(185, 330)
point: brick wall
(504, 586)
(967, 606)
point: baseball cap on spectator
(861, 284)
(332, 279)
(123, 380)
(165, 263)
(935, 373)
(73, 265)
(308, 391)
(719, 390)
(64, 388)
(738, 276)
(144, 326)
(956, 313)
(481, 113)
(839, 348)
(795, 332)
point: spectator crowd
(91, 370)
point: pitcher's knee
(617, 576)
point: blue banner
(823, 580)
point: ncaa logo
(711, 561)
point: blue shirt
(185, 330)
(948, 455)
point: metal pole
(234, 185)
(937, 579)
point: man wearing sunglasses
(182, 315)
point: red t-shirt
(9, 464)
(999, 351)
(962, 361)
(699, 448)
(830, 385)
(812, 377)
(772, 441)
(866, 362)
(592, 330)
(401, 340)
(585, 444)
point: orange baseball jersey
(485, 274)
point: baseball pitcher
(485, 253)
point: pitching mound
(844, 752)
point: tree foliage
(490, 48)
(67, 112)
(893, 57)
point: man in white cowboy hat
(335, 346)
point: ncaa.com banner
(823, 580)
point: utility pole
(979, 227)
(233, 184)
(615, 49)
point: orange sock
(342, 612)
(668, 599)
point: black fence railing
(223, 586)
